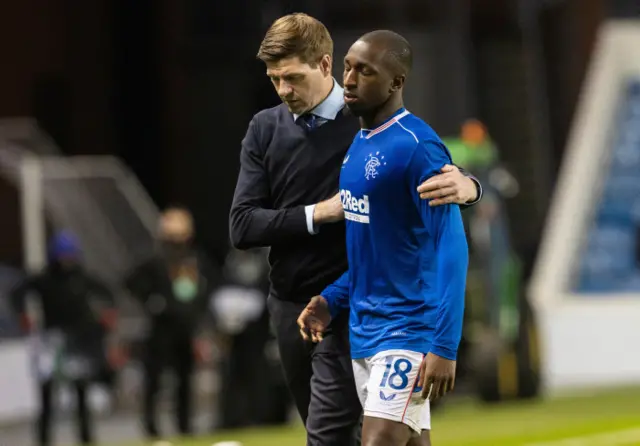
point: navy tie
(309, 121)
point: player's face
(367, 82)
(298, 84)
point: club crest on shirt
(372, 163)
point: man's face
(473, 132)
(176, 226)
(298, 84)
(367, 81)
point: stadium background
(111, 110)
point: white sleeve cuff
(308, 210)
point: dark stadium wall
(138, 97)
(59, 69)
(56, 58)
(569, 30)
(215, 85)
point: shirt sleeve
(478, 188)
(337, 294)
(311, 227)
(445, 226)
(252, 221)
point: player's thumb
(302, 319)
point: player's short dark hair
(296, 35)
(398, 49)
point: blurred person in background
(286, 198)
(252, 391)
(495, 269)
(76, 311)
(174, 288)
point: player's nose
(349, 80)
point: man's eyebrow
(285, 74)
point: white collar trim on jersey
(384, 126)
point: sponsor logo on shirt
(355, 208)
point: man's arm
(213, 277)
(139, 282)
(252, 221)
(477, 185)
(18, 300)
(451, 184)
(108, 311)
(445, 226)
(337, 294)
(98, 289)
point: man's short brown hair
(296, 35)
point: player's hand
(314, 319)
(450, 186)
(329, 211)
(437, 376)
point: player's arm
(452, 263)
(337, 294)
(252, 221)
(444, 224)
(317, 315)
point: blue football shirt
(407, 261)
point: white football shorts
(388, 388)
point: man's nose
(284, 90)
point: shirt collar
(331, 106)
(395, 117)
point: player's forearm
(337, 294)
(252, 227)
(336, 302)
(452, 267)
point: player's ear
(398, 82)
(326, 64)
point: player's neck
(382, 113)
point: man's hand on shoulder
(450, 186)
(328, 211)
